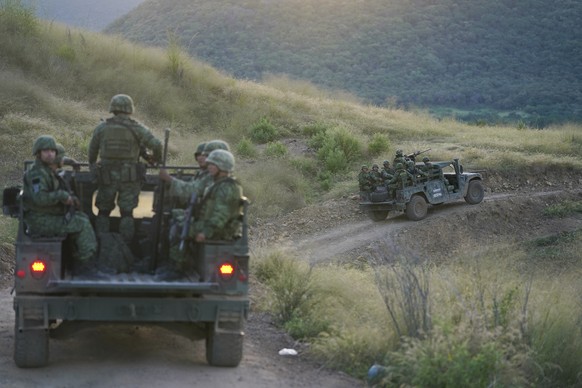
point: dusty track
(131, 356)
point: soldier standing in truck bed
(118, 142)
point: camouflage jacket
(43, 191)
(120, 138)
(400, 178)
(219, 215)
(364, 181)
(180, 190)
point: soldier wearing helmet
(118, 142)
(401, 179)
(364, 182)
(399, 158)
(375, 177)
(387, 172)
(47, 203)
(180, 190)
(218, 215)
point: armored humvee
(210, 302)
(445, 182)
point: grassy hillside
(87, 14)
(483, 61)
(488, 323)
(59, 80)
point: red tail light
(38, 268)
(226, 271)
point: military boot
(127, 229)
(101, 224)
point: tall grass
(489, 318)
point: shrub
(379, 144)
(289, 281)
(245, 148)
(276, 149)
(17, 18)
(263, 131)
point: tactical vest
(118, 142)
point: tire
(378, 215)
(417, 208)
(224, 349)
(31, 347)
(475, 192)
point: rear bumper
(129, 308)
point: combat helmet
(44, 142)
(215, 145)
(223, 159)
(425, 159)
(386, 163)
(399, 166)
(375, 166)
(121, 103)
(399, 152)
(199, 149)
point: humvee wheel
(475, 192)
(378, 215)
(417, 208)
(224, 349)
(31, 347)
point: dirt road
(131, 356)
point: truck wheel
(417, 208)
(224, 349)
(378, 215)
(475, 192)
(31, 347)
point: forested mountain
(509, 57)
(89, 14)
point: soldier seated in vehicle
(364, 182)
(50, 208)
(218, 216)
(401, 179)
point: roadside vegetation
(475, 320)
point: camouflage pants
(127, 196)
(78, 229)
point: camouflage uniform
(45, 213)
(375, 177)
(180, 191)
(364, 179)
(118, 142)
(218, 216)
(387, 172)
(400, 179)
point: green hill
(480, 60)
(88, 14)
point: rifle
(415, 154)
(160, 204)
(187, 216)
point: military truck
(445, 182)
(211, 302)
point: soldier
(181, 190)
(49, 208)
(375, 177)
(400, 179)
(118, 142)
(62, 160)
(387, 172)
(201, 160)
(399, 158)
(364, 182)
(218, 215)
